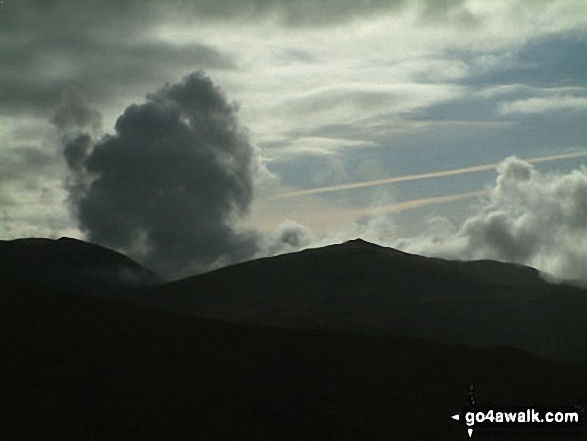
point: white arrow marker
(470, 432)
(455, 417)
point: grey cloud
(447, 10)
(171, 183)
(291, 236)
(290, 13)
(73, 113)
(327, 12)
(102, 47)
(30, 191)
(76, 150)
(495, 235)
(77, 123)
(102, 70)
(25, 163)
(124, 18)
(109, 47)
(120, 21)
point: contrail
(415, 203)
(456, 171)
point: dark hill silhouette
(82, 368)
(69, 264)
(353, 287)
(361, 287)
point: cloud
(354, 102)
(16, 164)
(528, 218)
(542, 105)
(524, 217)
(39, 66)
(105, 48)
(171, 183)
(73, 114)
(549, 60)
(417, 203)
(31, 175)
(314, 146)
(293, 14)
(290, 236)
(442, 11)
(429, 175)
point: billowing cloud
(171, 183)
(290, 236)
(528, 218)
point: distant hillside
(352, 287)
(81, 368)
(69, 264)
(361, 287)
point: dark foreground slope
(81, 368)
(361, 287)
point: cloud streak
(438, 174)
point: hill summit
(68, 264)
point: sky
(195, 134)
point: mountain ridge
(367, 288)
(354, 286)
(69, 262)
(285, 348)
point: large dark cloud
(171, 183)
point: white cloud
(291, 82)
(529, 218)
(544, 104)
